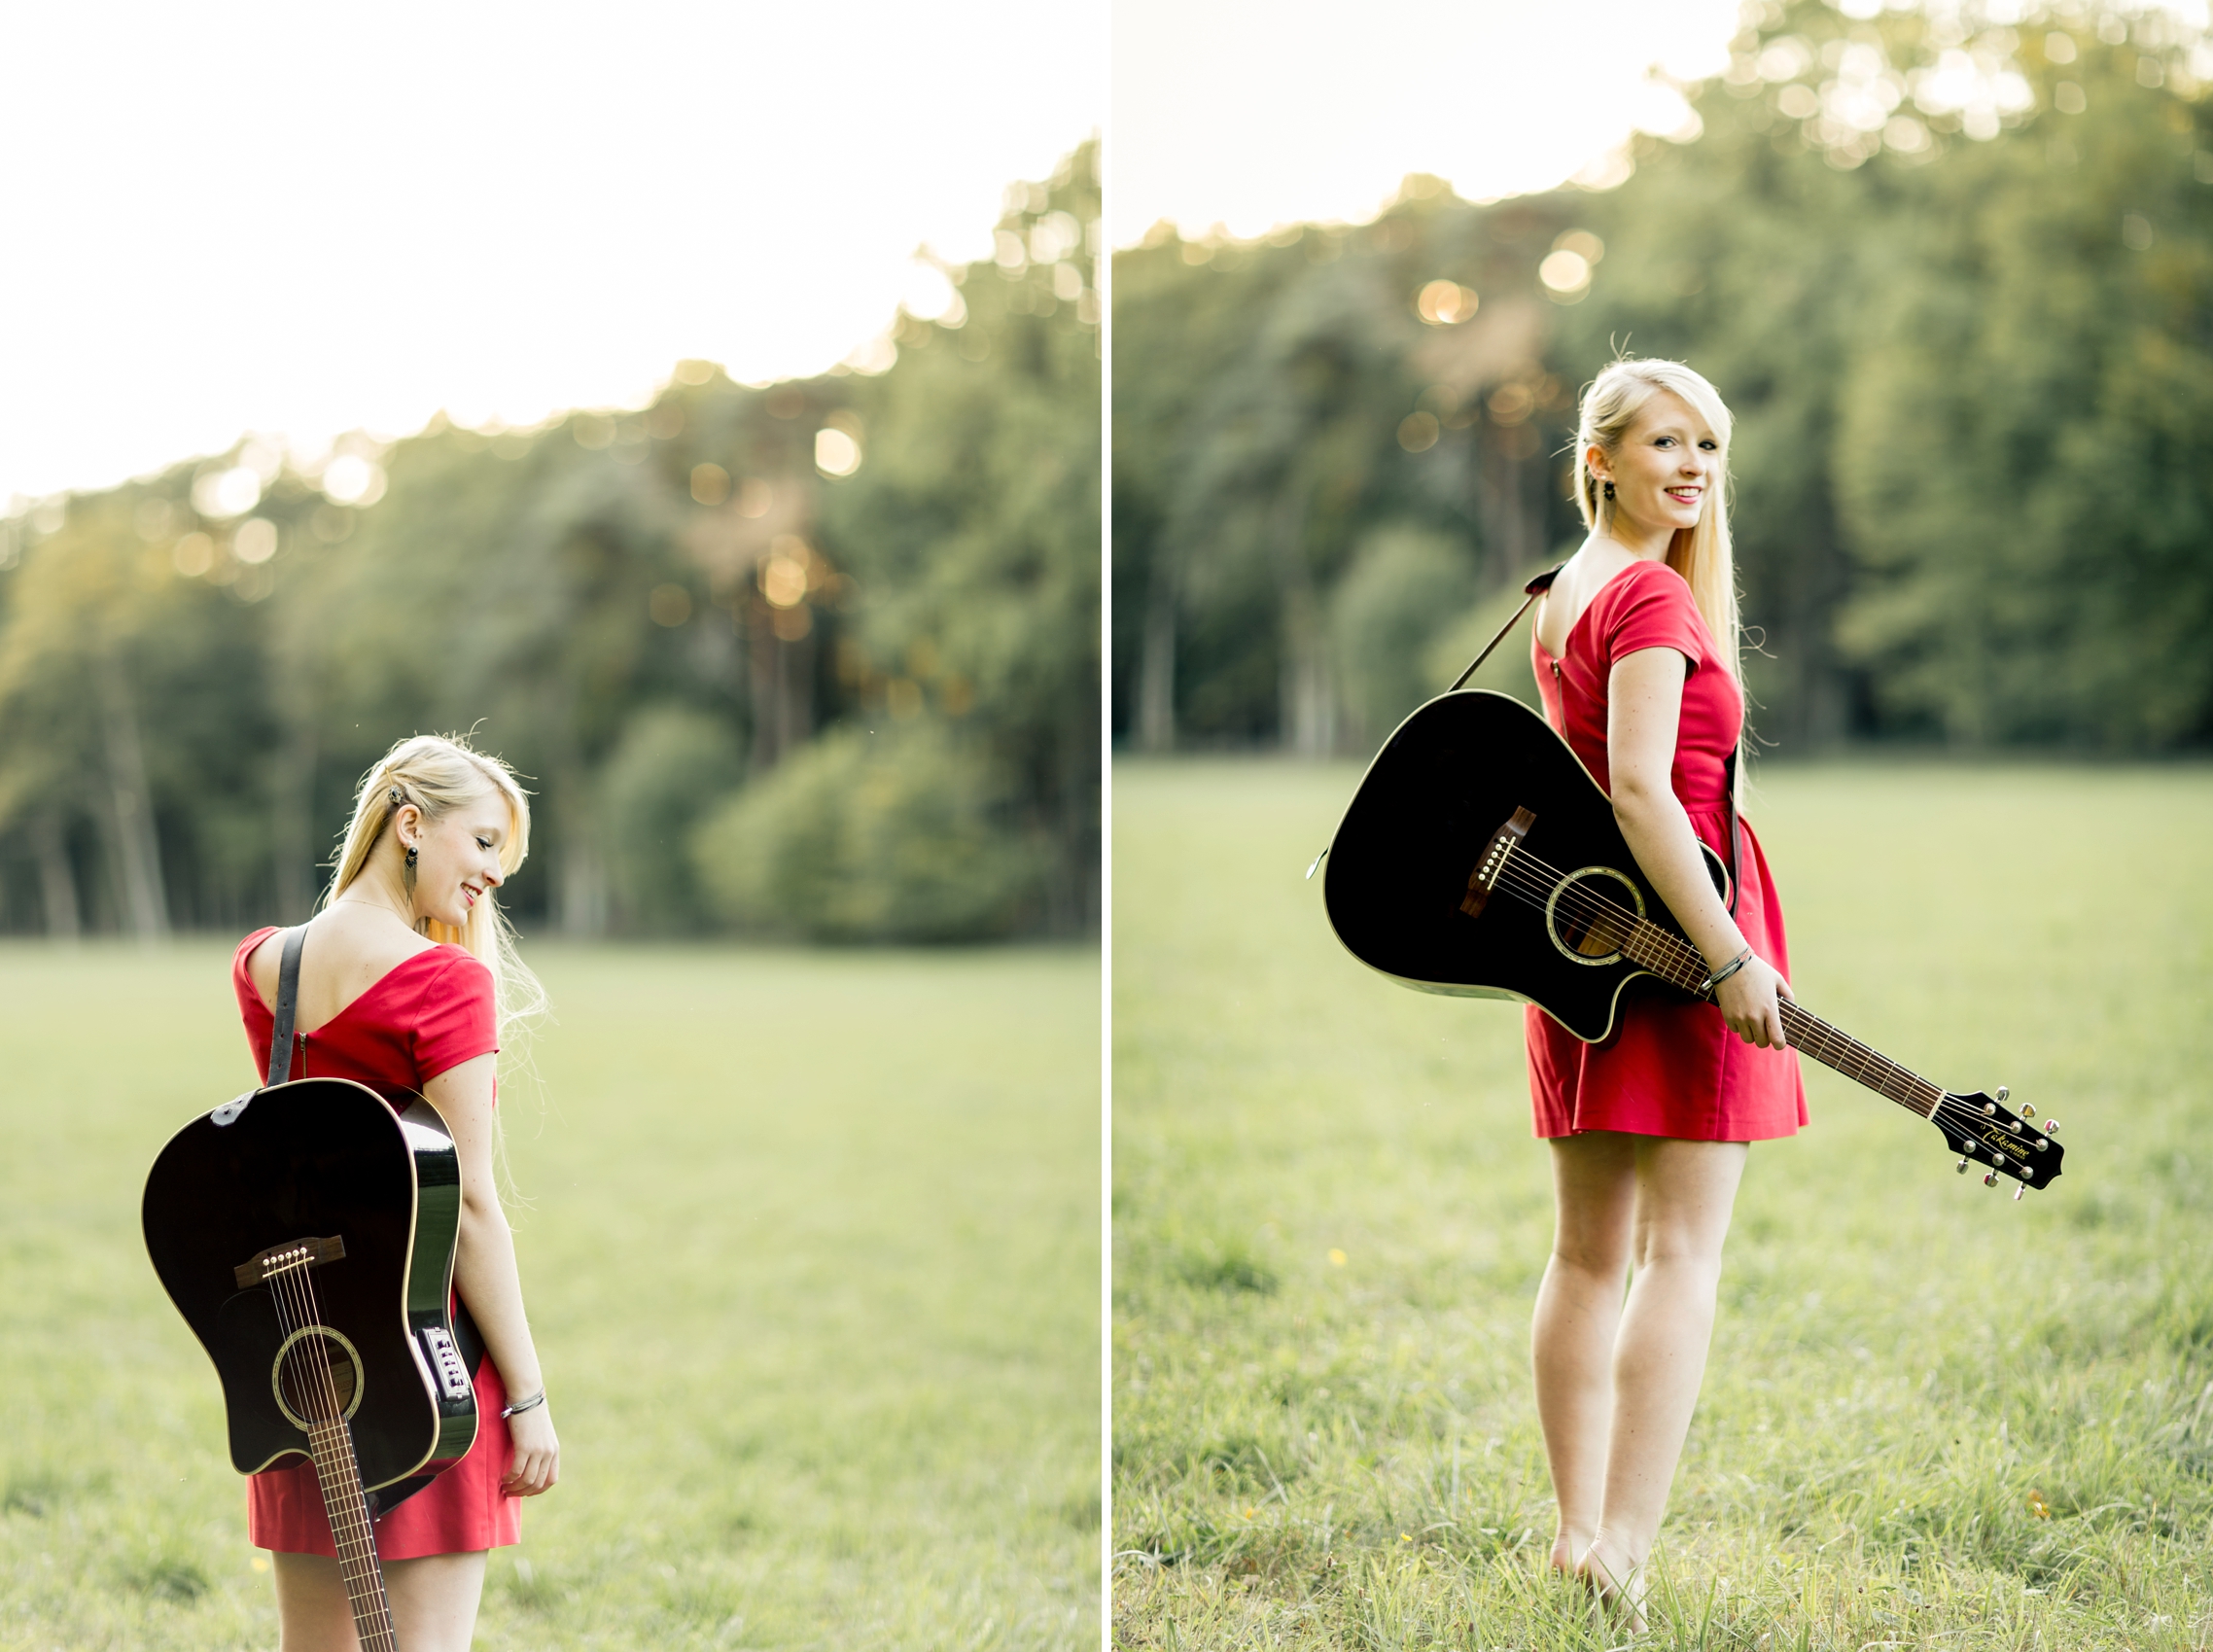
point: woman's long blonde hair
(1702, 555)
(437, 774)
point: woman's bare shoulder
(1573, 588)
(348, 943)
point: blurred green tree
(1951, 273)
(894, 833)
(649, 613)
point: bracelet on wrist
(1726, 970)
(519, 1407)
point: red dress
(1672, 1067)
(429, 1014)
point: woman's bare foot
(1616, 1579)
(1568, 1551)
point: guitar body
(1398, 868)
(322, 1158)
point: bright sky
(1252, 113)
(308, 219)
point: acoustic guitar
(307, 1232)
(1479, 858)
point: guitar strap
(1536, 589)
(1736, 829)
(287, 1004)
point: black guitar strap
(1536, 589)
(287, 1004)
(1736, 829)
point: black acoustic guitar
(1480, 857)
(306, 1233)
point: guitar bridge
(1496, 853)
(301, 1253)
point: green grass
(1933, 1416)
(812, 1254)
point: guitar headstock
(1984, 1133)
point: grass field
(1934, 1418)
(812, 1253)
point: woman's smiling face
(457, 858)
(1668, 459)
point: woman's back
(371, 1007)
(349, 950)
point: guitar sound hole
(317, 1369)
(1590, 914)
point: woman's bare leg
(312, 1613)
(1684, 1194)
(1572, 1337)
(433, 1603)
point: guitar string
(358, 1533)
(1856, 1061)
(373, 1631)
(296, 1293)
(1595, 909)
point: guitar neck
(343, 1501)
(1676, 962)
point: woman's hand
(537, 1453)
(1748, 1003)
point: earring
(1609, 490)
(407, 875)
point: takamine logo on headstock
(1981, 1129)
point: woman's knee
(1600, 1259)
(1683, 1269)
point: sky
(303, 220)
(1254, 113)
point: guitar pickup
(1496, 853)
(292, 1253)
(445, 1362)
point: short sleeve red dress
(429, 1014)
(1673, 1067)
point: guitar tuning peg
(1990, 1178)
(2051, 1127)
(2003, 1092)
(2018, 1191)
(2029, 1110)
(1961, 1168)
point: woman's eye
(483, 843)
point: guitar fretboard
(309, 1378)
(1676, 962)
(337, 1472)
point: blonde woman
(1636, 655)
(407, 980)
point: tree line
(817, 659)
(1955, 278)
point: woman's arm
(1645, 703)
(485, 1268)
